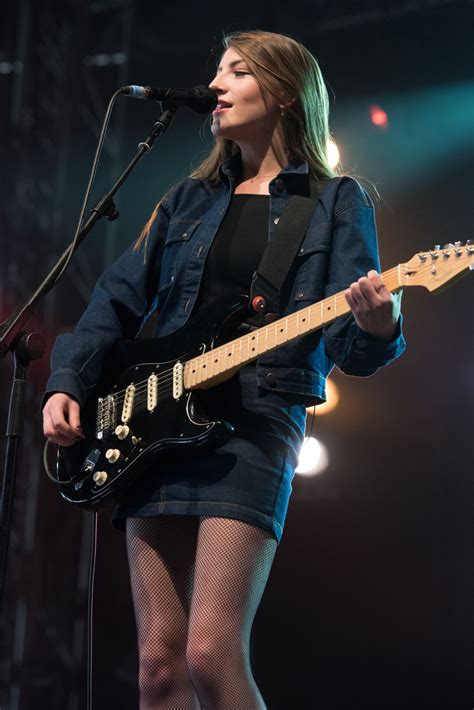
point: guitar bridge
(106, 416)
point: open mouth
(222, 106)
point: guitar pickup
(178, 386)
(152, 392)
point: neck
(266, 158)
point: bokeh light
(314, 457)
(332, 400)
(378, 116)
(332, 152)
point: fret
(245, 348)
(214, 366)
(236, 353)
(304, 320)
(199, 369)
(225, 358)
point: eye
(238, 72)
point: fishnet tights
(196, 584)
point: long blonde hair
(281, 66)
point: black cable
(90, 609)
(92, 175)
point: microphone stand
(31, 346)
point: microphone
(199, 98)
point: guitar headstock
(433, 269)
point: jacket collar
(295, 176)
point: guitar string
(291, 320)
(167, 375)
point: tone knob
(112, 455)
(99, 478)
(122, 431)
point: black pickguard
(175, 422)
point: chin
(218, 131)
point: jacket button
(276, 220)
(271, 380)
(361, 343)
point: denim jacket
(340, 245)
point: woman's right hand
(61, 420)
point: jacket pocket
(311, 264)
(180, 230)
(317, 238)
(179, 233)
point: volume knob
(122, 431)
(112, 455)
(99, 478)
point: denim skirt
(247, 478)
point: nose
(217, 84)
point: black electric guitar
(149, 401)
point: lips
(222, 106)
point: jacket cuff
(364, 354)
(67, 381)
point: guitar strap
(279, 255)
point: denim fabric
(247, 478)
(340, 246)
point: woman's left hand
(375, 309)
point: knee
(204, 656)
(158, 673)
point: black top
(236, 250)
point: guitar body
(143, 407)
(117, 448)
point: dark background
(369, 603)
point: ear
(288, 101)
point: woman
(203, 529)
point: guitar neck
(219, 364)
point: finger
(377, 281)
(357, 295)
(48, 427)
(53, 435)
(74, 415)
(375, 277)
(349, 299)
(369, 291)
(61, 428)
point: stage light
(332, 152)
(313, 458)
(378, 116)
(332, 400)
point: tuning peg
(437, 247)
(448, 246)
(458, 244)
(469, 242)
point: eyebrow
(232, 64)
